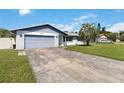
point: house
(40, 36)
(72, 38)
(103, 39)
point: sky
(63, 19)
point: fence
(6, 43)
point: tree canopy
(6, 33)
(88, 32)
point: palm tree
(88, 32)
(103, 29)
(98, 29)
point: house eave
(30, 27)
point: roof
(36, 26)
(103, 35)
(71, 33)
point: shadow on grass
(84, 45)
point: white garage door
(32, 41)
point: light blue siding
(39, 41)
(42, 29)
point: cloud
(117, 27)
(64, 27)
(24, 12)
(93, 15)
(80, 18)
(83, 17)
(75, 24)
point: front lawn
(115, 51)
(14, 68)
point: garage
(39, 36)
(35, 41)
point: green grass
(14, 68)
(115, 51)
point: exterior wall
(20, 36)
(75, 39)
(41, 30)
(103, 39)
(61, 42)
(56, 40)
(6, 43)
(20, 40)
(74, 43)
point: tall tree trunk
(87, 43)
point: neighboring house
(102, 39)
(7, 43)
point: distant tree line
(6, 33)
(114, 35)
(89, 32)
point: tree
(121, 32)
(88, 32)
(114, 36)
(6, 33)
(122, 35)
(103, 29)
(98, 29)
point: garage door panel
(39, 41)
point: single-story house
(40, 36)
(103, 39)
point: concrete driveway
(59, 65)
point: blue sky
(63, 19)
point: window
(63, 38)
(69, 39)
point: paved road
(59, 65)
